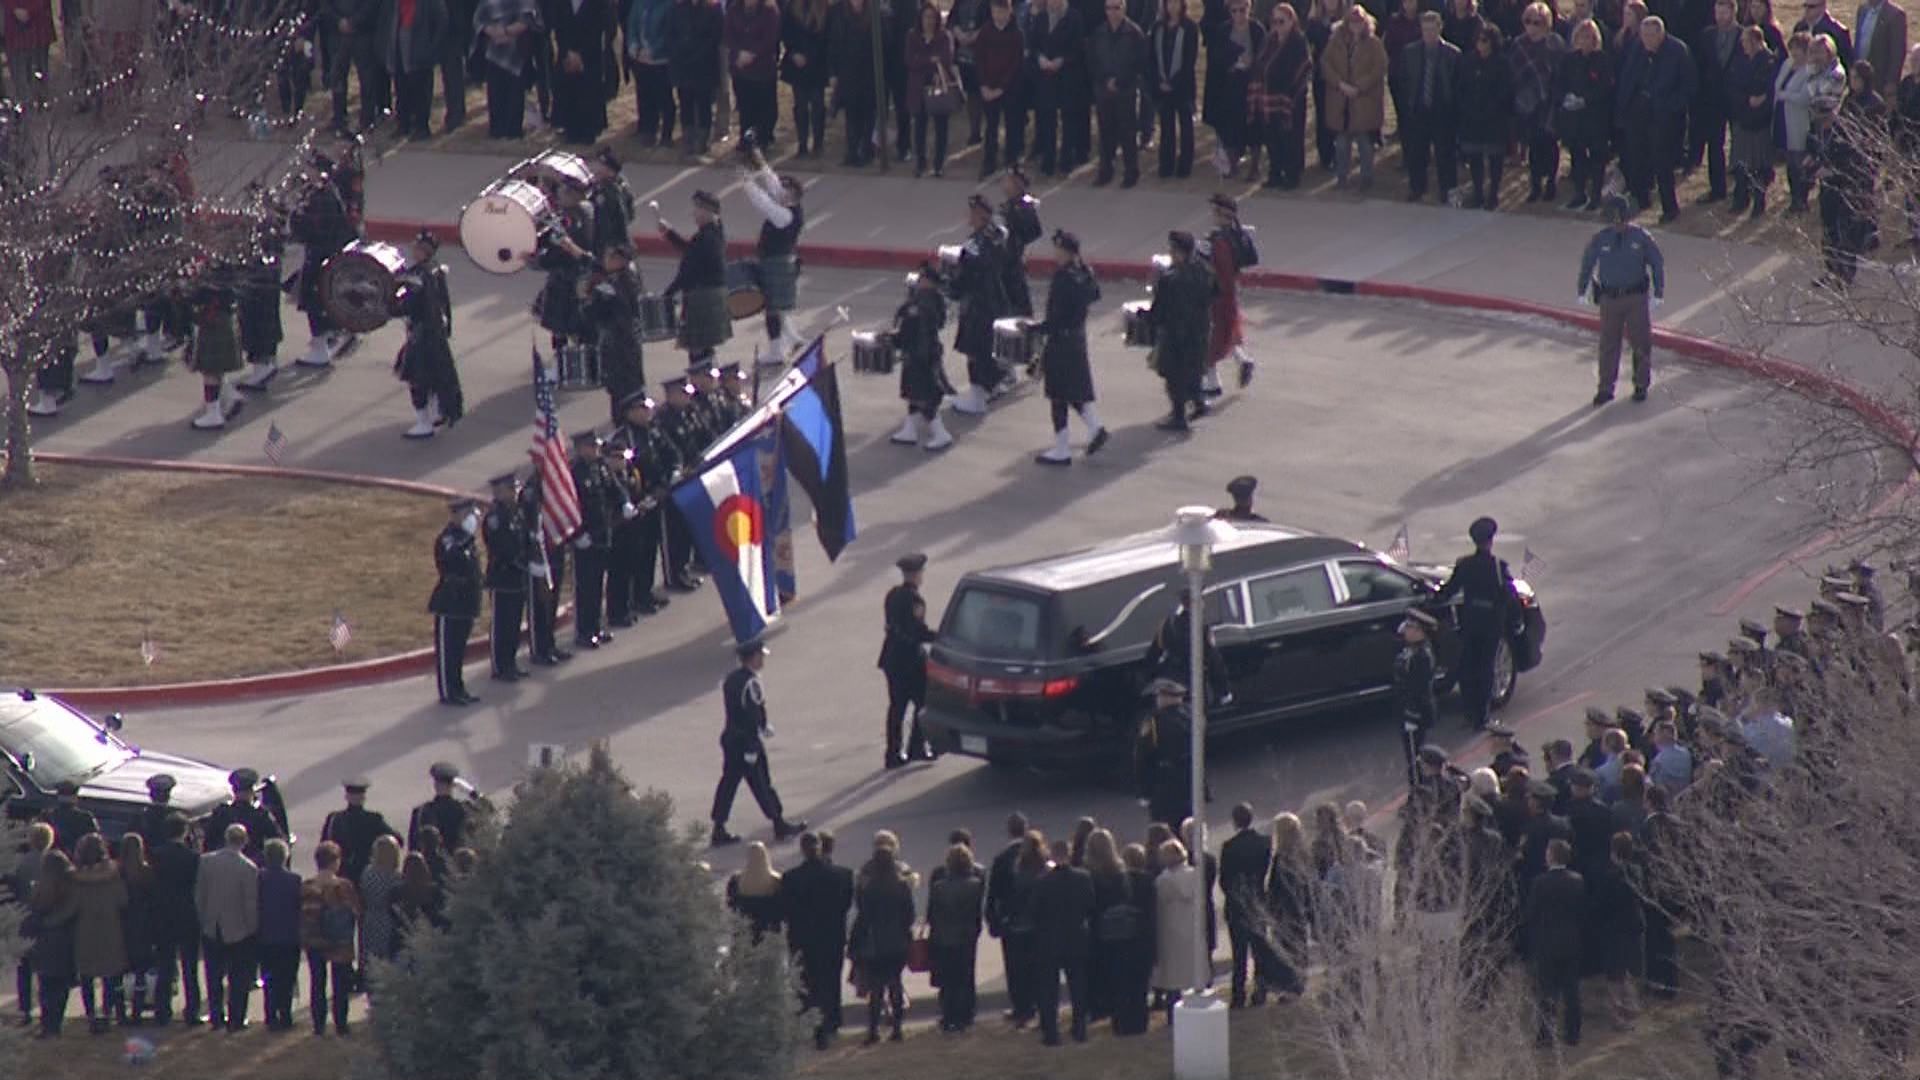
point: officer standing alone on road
(1484, 585)
(443, 811)
(455, 602)
(354, 828)
(507, 557)
(1413, 695)
(744, 751)
(1619, 266)
(903, 660)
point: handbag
(943, 98)
(920, 954)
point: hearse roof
(1254, 546)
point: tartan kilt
(704, 321)
(216, 347)
(780, 281)
(260, 329)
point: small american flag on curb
(149, 650)
(276, 443)
(341, 633)
(1401, 548)
(1532, 566)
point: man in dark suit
(1716, 50)
(816, 896)
(1880, 38)
(1556, 908)
(1657, 84)
(1816, 20)
(1062, 917)
(1244, 861)
(1000, 890)
(1424, 102)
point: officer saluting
(1413, 696)
(1241, 489)
(743, 749)
(1619, 264)
(443, 811)
(601, 502)
(904, 662)
(246, 810)
(1484, 583)
(1163, 755)
(153, 817)
(455, 602)
(507, 557)
(355, 828)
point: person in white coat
(1179, 962)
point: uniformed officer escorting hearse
(743, 749)
(244, 810)
(904, 660)
(443, 811)
(355, 828)
(1620, 264)
(455, 602)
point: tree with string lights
(144, 170)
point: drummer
(1063, 362)
(705, 324)
(565, 254)
(612, 200)
(425, 362)
(322, 227)
(778, 200)
(613, 310)
(979, 284)
(923, 378)
(1020, 216)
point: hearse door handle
(1275, 645)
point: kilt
(558, 305)
(704, 321)
(260, 332)
(216, 347)
(1067, 373)
(780, 281)
(923, 377)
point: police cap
(701, 368)
(356, 785)
(1741, 648)
(1658, 696)
(1835, 582)
(913, 563)
(66, 787)
(1433, 754)
(1598, 715)
(1851, 599)
(160, 785)
(586, 437)
(747, 650)
(734, 372)
(505, 479)
(443, 772)
(1482, 530)
(1630, 716)
(1861, 567)
(1243, 486)
(706, 200)
(1753, 630)
(637, 398)
(243, 779)
(461, 504)
(1783, 611)
(1822, 609)
(1542, 790)
(1165, 686)
(677, 384)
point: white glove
(1580, 299)
(583, 543)
(1409, 727)
(542, 572)
(766, 732)
(1657, 301)
(1143, 804)
(629, 511)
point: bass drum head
(501, 227)
(359, 285)
(744, 296)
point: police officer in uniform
(1163, 755)
(1020, 217)
(1484, 584)
(613, 309)
(244, 809)
(455, 602)
(1619, 265)
(69, 819)
(1169, 655)
(1240, 489)
(153, 817)
(507, 575)
(1414, 701)
(675, 418)
(650, 462)
(904, 662)
(980, 285)
(354, 828)
(545, 565)
(443, 811)
(743, 749)
(1181, 318)
(601, 502)
(612, 200)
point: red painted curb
(279, 684)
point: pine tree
(590, 944)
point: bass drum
(744, 297)
(556, 166)
(501, 228)
(362, 284)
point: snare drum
(744, 298)
(502, 226)
(1016, 342)
(579, 367)
(659, 318)
(360, 284)
(1139, 330)
(873, 351)
(949, 255)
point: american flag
(1532, 566)
(149, 650)
(1401, 548)
(276, 443)
(341, 633)
(559, 502)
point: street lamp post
(1200, 1020)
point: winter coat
(1583, 98)
(1119, 56)
(1359, 59)
(953, 910)
(1750, 77)
(850, 50)
(694, 28)
(99, 938)
(1173, 52)
(927, 62)
(34, 32)
(883, 921)
(756, 32)
(1534, 67)
(1224, 96)
(279, 907)
(417, 48)
(1484, 93)
(997, 54)
(1176, 961)
(799, 38)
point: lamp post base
(1200, 1037)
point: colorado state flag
(726, 509)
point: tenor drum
(873, 351)
(949, 255)
(744, 298)
(659, 318)
(1139, 330)
(556, 166)
(361, 285)
(502, 226)
(579, 367)
(1016, 341)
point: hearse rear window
(991, 623)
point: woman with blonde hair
(380, 895)
(882, 934)
(954, 905)
(99, 931)
(1124, 935)
(1290, 900)
(51, 914)
(1178, 960)
(1354, 65)
(753, 892)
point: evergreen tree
(590, 944)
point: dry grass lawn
(227, 575)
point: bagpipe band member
(923, 378)
(566, 254)
(613, 201)
(979, 284)
(1020, 216)
(322, 227)
(613, 309)
(1064, 364)
(426, 362)
(1230, 250)
(1182, 298)
(777, 198)
(54, 381)
(260, 328)
(701, 279)
(111, 227)
(215, 350)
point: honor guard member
(425, 362)
(1020, 217)
(923, 376)
(1230, 251)
(1484, 585)
(674, 418)
(1506, 752)
(1415, 703)
(455, 602)
(708, 403)
(777, 198)
(979, 283)
(1180, 316)
(1066, 371)
(1163, 755)
(153, 817)
(903, 658)
(69, 819)
(1170, 654)
(613, 308)
(612, 199)
(1240, 489)
(566, 254)
(601, 503)
(443, 811)
(54, 381)
(743, 748)
(736, 393)
(1620, 264)
(650, 463)
(701, 279)
(260, 328)
(322, 228)
(1864, 585)
(355, 828)
(1789, 628)
(546, 564)
(507, 575)
(245, 810)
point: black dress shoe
(893, 761)
(469, 699)
(1174, 423)
(621, 624)
(721, 837)
(787, 830)
(686, 584)
(586, 643)
(604, 638)
(507, 676)
(1602, 398)
(1098, 441)
(1639, 393)
(651, 605)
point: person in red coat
(29, 34)
(1230, 241)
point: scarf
(510, 56)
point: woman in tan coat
(99, 936)
(1354, 64)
